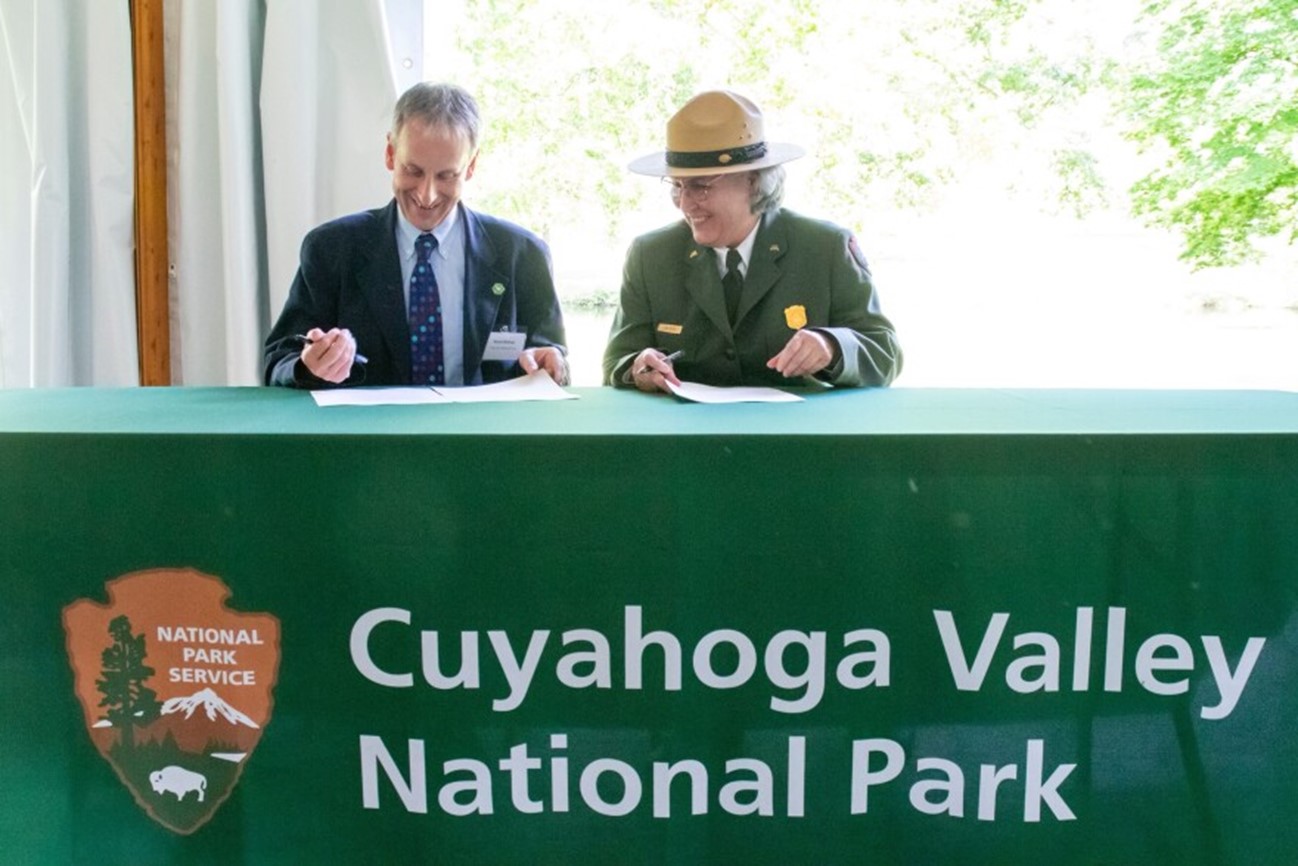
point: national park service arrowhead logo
(175, 687)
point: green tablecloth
(880, 597)
(609, 412)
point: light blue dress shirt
(448, 267)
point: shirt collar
(745, 249)
(407, 233)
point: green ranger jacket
(804, 273)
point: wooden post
(152, 313)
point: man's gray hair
(445, 105)
(768, 189)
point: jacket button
(730, 354)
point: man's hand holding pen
(651, 370)
(329, 355)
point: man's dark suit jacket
(349, 276)
(804, 273)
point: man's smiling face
(429, 165)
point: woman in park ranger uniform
(742, 291)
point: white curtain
(67, 273)
(278, 111)
(276, 115)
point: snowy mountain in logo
(211, 705)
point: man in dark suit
(423, 291)
(742, 292)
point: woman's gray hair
(768, 189)
(445, 105)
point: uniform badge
(795, 317)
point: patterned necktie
(733, 283)
(426, 366)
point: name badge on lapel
(504, 346)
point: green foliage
(597, 301)
(897, 100)
(1217, 105)
(1080, 184)
(892, 100)
(563, 111)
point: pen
(679, 353)
(358, 358)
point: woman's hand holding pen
(652, 370)
(329, 355)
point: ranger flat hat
(716, 132)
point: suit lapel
(704, 284)
(380, 280)
(769, 247)
(481, 304)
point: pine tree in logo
(127, 701)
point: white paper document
(535, 386)
(696, 393)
